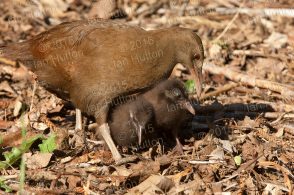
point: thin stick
(227, 27)
(262, 12)
(34, 91)
(219, 90)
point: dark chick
(132, 123)
(162, 109)
(91, 62)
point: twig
(6, 177)
(205, 162)
(278, 115)
(263, 12)
(279, 118)
(286, 90)
(127, 159)
(227, 27)
(96, 142)
(219, 90)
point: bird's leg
(79, 134)
(179, 146)
(78, 119)
(104, 131)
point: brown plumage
(162, 109)
(93, 61)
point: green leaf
(190, 86)
(26, 144)
(48, 145)
(4, 186)
(16, 152)
(10, 156)
(238, 160)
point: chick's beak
(197, 77)
(188, 106)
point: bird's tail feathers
(16, 51)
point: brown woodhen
(92, 62)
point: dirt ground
(240, 141)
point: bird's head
(175, 93)
(190, 53)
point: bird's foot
(179, 147)
(105, 133)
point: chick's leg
(179, 146)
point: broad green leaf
(238, 160)
(16, 152)
(48, 145)
(190, 86)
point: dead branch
(285, 90)
(263, 12)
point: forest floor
(241, 140)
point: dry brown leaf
(151, 185)
(37, 161)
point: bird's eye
(196, 56)
(176, 92)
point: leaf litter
(240, 141)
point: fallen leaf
(37, 161)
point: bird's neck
(165, 40)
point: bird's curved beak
(197, 77)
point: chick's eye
(176, 93)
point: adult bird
(91, 62)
